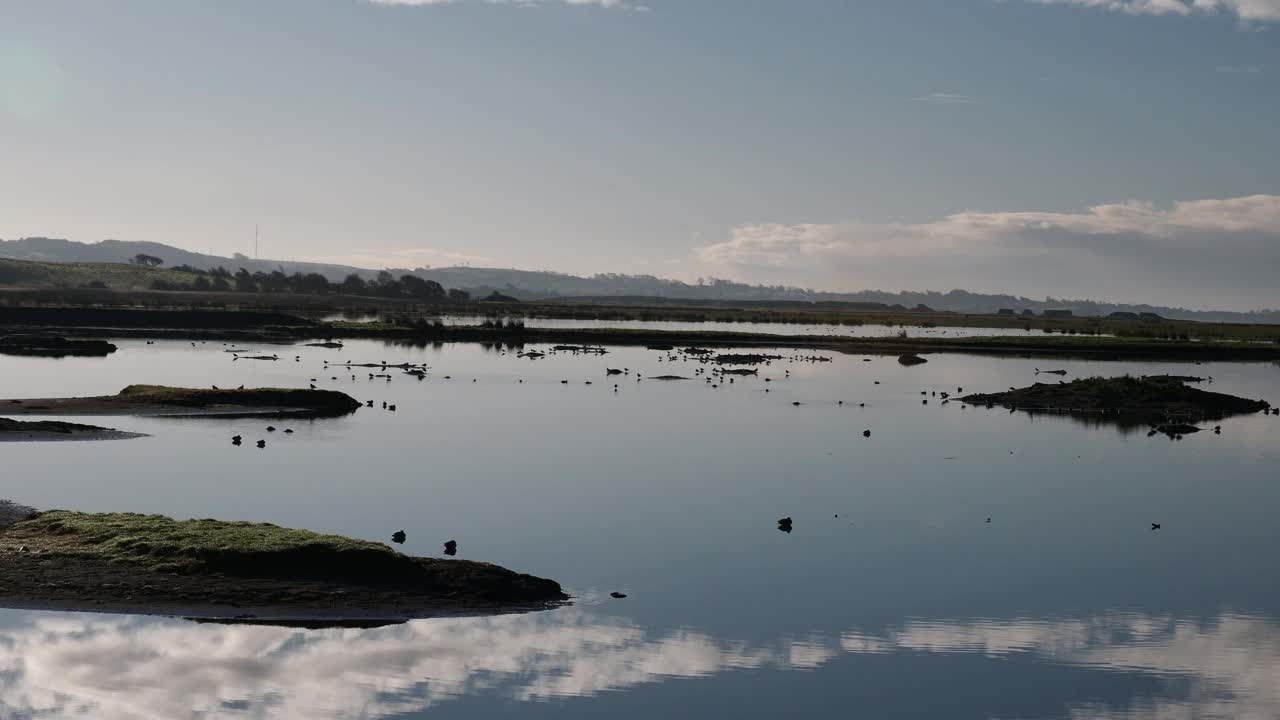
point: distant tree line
(384, 285)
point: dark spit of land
(171, 401)
(248, 326)
(124, 562)
(52, 430)
(1124, 400)
(51, 346)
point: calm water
(906, 605)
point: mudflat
(150, 564)
(52, 430)
(171, 401)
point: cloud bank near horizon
(1210, 252)
(1247, 11)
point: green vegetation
(137, 562)
(1123, 399)
(161, 544)
(118, 276)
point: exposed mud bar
(245, 572)
(160, 400)
(55, 431)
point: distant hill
(614, 288)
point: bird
(235, 439)
(271, 428)
(988, 521)
(617, 595)
(866, 433)
(398, 537)
(1155, 526)
(262, 443)
(451, 548)
(796, 403)
(785, 524)
(392, 408)
(288, 431)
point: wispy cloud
(606, 4)
(1247, 11)
(946, 99)
(1221, 251)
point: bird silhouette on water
(235, 440)
(262, 443)
(398, 537)
(451, 548)
(617, 595)
(1155, 526)
(785, 525)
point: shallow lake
(892, 597)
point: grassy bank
(161, 544)
(126, 562)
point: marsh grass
(162, 544)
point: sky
(1117, 149)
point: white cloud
(1245, 10)
(111, 667)
(1212, 250)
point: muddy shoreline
(208, 569)
(34, 582)
(280, 328)
(159, 401)
(54, 431)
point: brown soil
(38, 581)
(52, 430)
(167, 401)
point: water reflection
(112, 667)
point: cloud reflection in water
(112, 667)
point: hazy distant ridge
(528, 284)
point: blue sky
(1112, 148)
